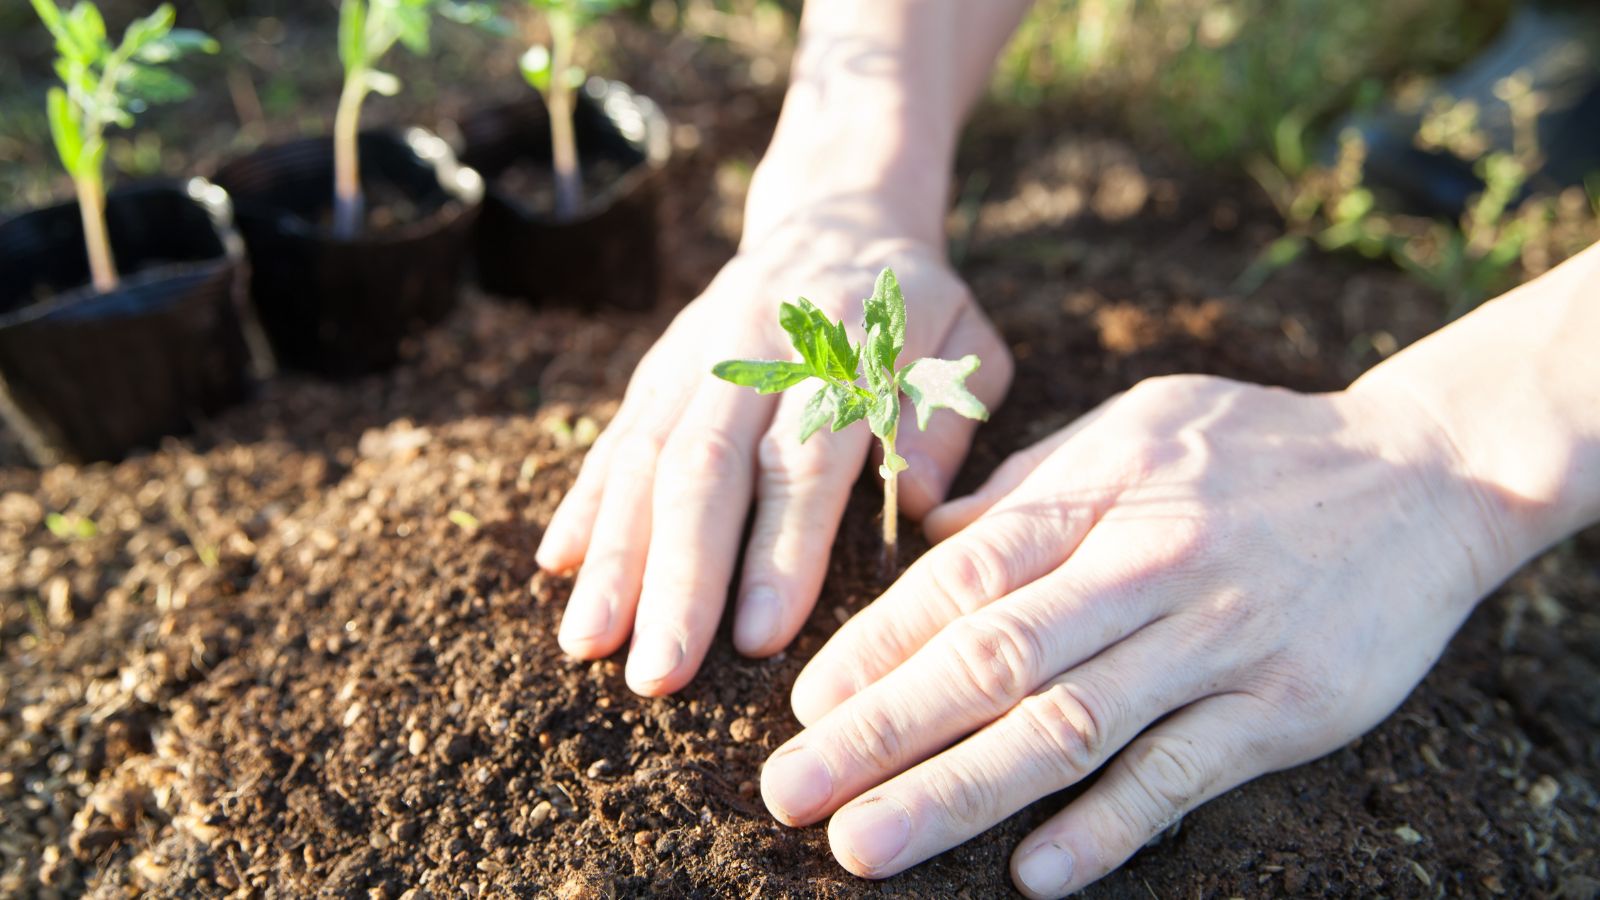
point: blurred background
(1259, 90)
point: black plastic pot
(89, 376)
(342, 307)
(606, 256)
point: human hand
(1197, 583)
(656, 512)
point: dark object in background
(87, 376)
(1557, 46)
(607, 256)
(342, 307)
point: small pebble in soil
(643, 839)
(1544, 792)
(417, 743)
(747, 789)
(742, 730)
(599, 768)
(541, 813)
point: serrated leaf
(64, 130)
(535, 66)
(353, 34)
(883, 415)
(848, 407)
(765, 375)
(941, 384)
(885, 321)
(818, 412)
(824, 345)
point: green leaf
(88, 29)
(765, 375)
(818, 412)
(883, 416)
(885, 321)
(849, 407)
(50, 15)
(142, 32)
(941, 384)
(893, 464)
(411, 25)
(177, 43)
(477, 15)
(535, 65)
(156, 85)
(353, 34)
(64, 130)
(824, 345)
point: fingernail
(1046, 870)
(796, 784)
(584, 620)
(757, 621)
(874, 832)
(656, 654)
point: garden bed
(308, 649)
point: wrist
(1510, 390)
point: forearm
(1516, 387)
(877, 98)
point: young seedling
(551, 71)
(101, 86)
(368, 29)
(827, 354)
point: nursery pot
(89, 376)
(605, 256)
(338, 306)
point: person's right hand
(657, 510)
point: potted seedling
(122, 316)
(357, 239)
(574, 178)
(828, 355)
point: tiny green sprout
(71, 527)
(552, 72)
(104, 85)
(368, 29)
(464, 520)
(827, 354)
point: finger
(599, 613)
(934, 456)
(567, 536)
(971, 674)
(801, 492)
(1207, 749)
(1019, 540)
(698, 511)
(1052, 739)
(951, 517)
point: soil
(307, 651)
(389, 207)
(533, 183)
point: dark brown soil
(533, 184)
(307, 651)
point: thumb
(933, 456)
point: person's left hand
(1198, 583)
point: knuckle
(709, 455)
(786, 464)
(638, 451)
(964, 797)
(969, 574)
(1070, 725)
(996, 656)
(873, 737)
(1298, 687)
(1171, 775)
